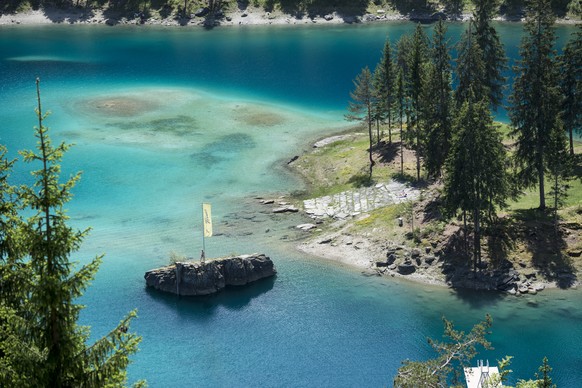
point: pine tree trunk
(378, 131)
(389, 128)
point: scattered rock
(293, 159)
(325, 241)
(328, 17)
(406, 268)
(306, 227)
(575, 252)
(429, 259)
(201, 12)
(286, 209)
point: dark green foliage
(544, 379)
(494, 59)
(571, 85)
(458, 349)
(400, 107)
(362, 104)
(438, 104)
(470, 69)
(560, 170)
(476, 180)
(535, 102)
(416, 82)
(384, 79)
(403, 50)
(41, 343)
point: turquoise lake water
(167, 118)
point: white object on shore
(355, 202)
(476, 377)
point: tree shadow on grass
(387, 152)
(537, 230)
(361, 180)
(501, 239)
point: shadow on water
(232, 298)
(478, 299)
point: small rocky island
(211, 276)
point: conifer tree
(544, 379)
(571, 85)
(494, 58)
(458, 348)
(417, 82)
(378, 113)
(51, 310)
(476, 179)
(401, 107)
(385, 80)
(559, 168)
(403, 51)
(362, 104)
(17, 353)
(470, 69)
(535, 102)
(438, 104)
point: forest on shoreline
(452, 9)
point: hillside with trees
(495, 198)
(218, 9)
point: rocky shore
(241, 16)
(209, 277)
(442, 258)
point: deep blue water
(166, 118)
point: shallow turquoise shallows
(167, 118)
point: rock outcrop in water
(206, 278)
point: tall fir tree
(571, 85)
(18, 353)
(494, 59)
(476, 179)
(51, 310)
(385, 78)
(438, 104)
(400, 108)
(559, 169)
(470, 69)
(361, 106)
(378, 113)
(403, 52)
(418, 60)
(535, 101)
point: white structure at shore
(476, 377)
(354, 202)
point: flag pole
(203, 255)
(206, 227)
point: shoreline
(247, 17)
(331, 238)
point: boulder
(202, 12)
(429, 259)
(406, 268)
(204, 278)
(285, 209)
